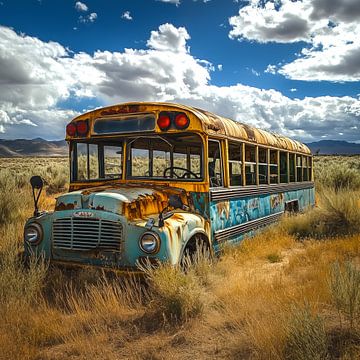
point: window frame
(222, 167)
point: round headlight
(33, 233)
(150, 242)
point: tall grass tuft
(10, 200)
(338, 213)
(345, 290)
(306, 338)
(177, 296)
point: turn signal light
(71, 129)
(181, 121)
(82, 127)
(164, 122)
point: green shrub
(337, 176)
(274, 258)
(306, 339)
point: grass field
(291, 292)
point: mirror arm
(36, 200)
(161, 216)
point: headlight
(33, 233)
(150, 242)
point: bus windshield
(165, 156)
(156, 157)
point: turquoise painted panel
(232, 212)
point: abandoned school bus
(156, 180)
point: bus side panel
(230, 214)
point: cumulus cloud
(79, 6)
(36, 77)
(330, 27)
(126, 15)
(176, 2)
(88, 18)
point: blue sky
(287, 66)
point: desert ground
(290, 292)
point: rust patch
(62, 206)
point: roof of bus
(217, 125)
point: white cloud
(126, 15)
(220, 67)
(36, 77)
(169, 38)
(88, 18)
(254, 72)
(79, 6)
(176, 2)
(330, 27)
(293, 89)
(271, 69)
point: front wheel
(196, 251)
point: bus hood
(134, 202)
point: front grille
(86, 234)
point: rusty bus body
(129, 161)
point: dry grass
(273, 297)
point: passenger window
(292, 167)
(310, 168)
(214, 164)
(250, 165)
(283, 167)
(298, 168)
(263, 166)
(273, 166)
(305, 168)
(235, 164)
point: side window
(310, 168)
(299, 168)
(235, 164)
(250, 165)
(263, 166)
(292, 167)
(305, 168)
(283, 167)
(214, 164)
(273, 166)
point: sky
(286, 66)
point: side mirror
(37, 183)
(175, 202)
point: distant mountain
(35, 147)
(41, 147)
(331, 147)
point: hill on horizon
(334, 147)
(42, 147)
(34, 147)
